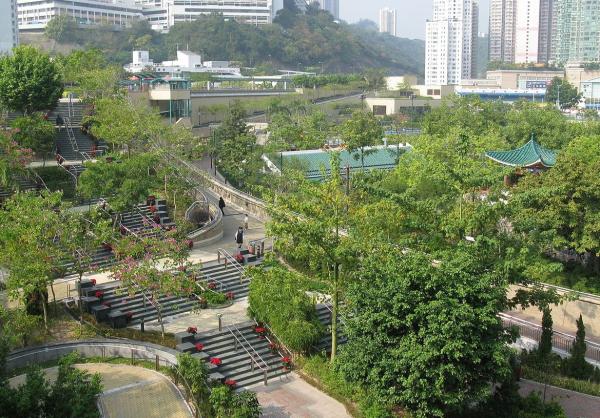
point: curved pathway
(131, 392)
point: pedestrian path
(293, 397)
(575, 404)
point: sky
(411, 14)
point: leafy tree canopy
(425, 337)
(34, 132)
(29, 81)
(562, 92)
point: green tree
(15, 326)
(360, 132)
(562, 92)
(545, 345)
(425, 337)
(125, 183)
(577, 366)
(61, 28)
(73, 394)
(278, 297)
(29, 81)
(195, 375)
(13, 160)
(30, 224)
(235, 148)
(309, 225)
(226, 403)
(34, 132)
(558, 208)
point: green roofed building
(531, 155)
(315, 163)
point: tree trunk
(334, 312)
(53, 296)
(79, 298)
(45, 309)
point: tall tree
(310, 225)
(562, 92)
(30, 225)
(360, 132)
(29, 81)
(425, 337)
(545, 345)
(578, 367)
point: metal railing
(278, 340)
(228, 257)
(221, 286)
(560, 340)
(71, 134)
(255, 358)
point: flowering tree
(13, 158)
(161, 270)
(80, 236)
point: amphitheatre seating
(171, 305)
(140, 220)
(236, 364)
(22, 183)
(324, 314)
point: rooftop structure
(530, 155)
(186, 62)
(315, 163)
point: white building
(332, 6)
(590, 91)
(388, 21)
(162, 14)
(450, 34)
(35, 14)
(527, 31)
(186, 62)
(9, 31)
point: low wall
(210, 232)
(249, 204)
(92, 348)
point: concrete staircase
(236, 362)
(226, 278)
(140, 220)
(324, 314)
(62, 109)
(21, 183)
(84, 143)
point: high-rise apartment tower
(450, 34)
(388, 21)
(9, 29)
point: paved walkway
(204, 319)
(293, 397)
(131, 392)
(575, 405)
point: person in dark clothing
(222, 205)
(59, 121)
(239, 237)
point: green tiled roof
(530, 154)
(314, 161)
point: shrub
(277, 297)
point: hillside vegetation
(296, 41)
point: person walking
(239, 237)
(59, 121)
(222, 205)
(246, 222)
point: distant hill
(292, 41)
